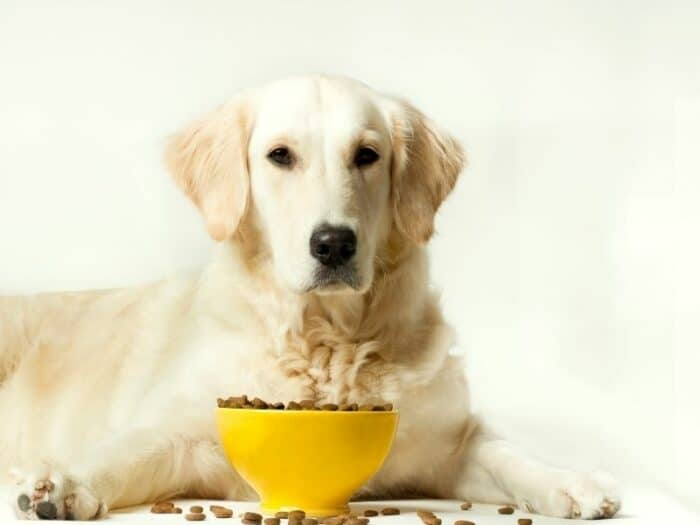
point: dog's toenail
(46, 510)
(23, 502)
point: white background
(568, 255)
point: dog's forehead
(306, 106)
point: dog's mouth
(328, 280)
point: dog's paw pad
(45, 510)
(24, 502)
(51, 496)
(586, 496)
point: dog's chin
(334, 288)
(337, 281)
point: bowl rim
(310, 412)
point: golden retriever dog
(321, 194)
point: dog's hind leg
(495, 472)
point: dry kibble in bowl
(197, 509)
(306, 404)
(390, 511)
(195, 516)
(506, 510)
(282, 515)
(524, 521)
(272, 521)
(370, 513)
(466, 505)
(464, 522)
(297, 514)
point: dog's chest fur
(330, 366)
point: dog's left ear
(208, 161)
(425, 166)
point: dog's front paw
(45, 494)
(576, 495)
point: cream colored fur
(110, 394)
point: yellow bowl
(306, 459)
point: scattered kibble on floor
(298, 516)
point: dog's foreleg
(495, 472)
(138, 466)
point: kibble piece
(370, 513)
(177, 510)
(278, 406)
(357, 521)
(464, 522)
(329, 406)
(389, 511)
(195, 516)
(297, 514)
(505, 510)
(524, 521)
(250, 522)
(163, 507)
(432, 520)
(197, 509)
(282, 514)
(307, 404)
(240, 400)
(214, 508)
(252, 516)
(294, 521)
(309, 521)
(349, 407)
(272, 521)
(335, 520)
(259, 403)
(378, 408)
(365, 408)
(293, 405)
(223, 512)
(466, 505)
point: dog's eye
(365, 157)
(281, 157)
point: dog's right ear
(208, 161)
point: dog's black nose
(333, 245)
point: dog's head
(324, 169)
